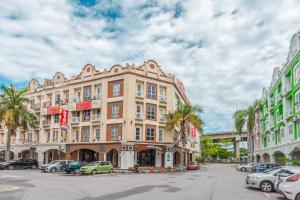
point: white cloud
(224, 52)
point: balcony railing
(162, 119)
(96, 117)
(298, 105)
(139, 116)
(288, 112)
(287, 88)
(86, 118)
(162, 98)
(46, 104)
(76, 100)
(37, 107)
(85, 139)
(139, 93)
(97, 96)
(46, 123)
(75, 120)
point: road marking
(10, 176)
(5, 188)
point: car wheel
(243, 169)
(93, 172)
(10, 167)
(53, 170)
(33, 166)
(266, 186)
(297, 197)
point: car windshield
(92, 163)
(268, 171)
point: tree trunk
(7, 146)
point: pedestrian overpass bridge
(231, 136)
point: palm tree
(13, 112)
(245, 117)
(182, 118)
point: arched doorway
(28, 154)
(113, 157)
(176, 159)
(258, 158)
(2, 155)
(53, 154)
(266, 158)
(86, 155)
(146, 157)
(295, 154)
(279, 158)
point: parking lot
(212, 182)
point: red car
(193, 166)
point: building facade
(116, 115)
(277, 128)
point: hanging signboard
(53, 110)
(64, 118)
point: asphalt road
(212, 182)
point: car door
(62, 165)
(101, 167)
(20, 164)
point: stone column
(40, 157)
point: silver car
(55, 166)
(245, 167)
(265, 180)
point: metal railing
(96, 117)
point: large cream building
(115, 115)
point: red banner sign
(64, 118)
(194, 133)
(84, 105)
(53, 110)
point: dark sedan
(20, 164)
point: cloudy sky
(224, 51)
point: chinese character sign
(64, 118)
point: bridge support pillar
(237, 148)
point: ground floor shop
(121, 155)
(281, 154)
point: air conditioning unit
(124, 148)
(130, 148)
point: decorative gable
(33, 84)
(87, 71)
(59, 78)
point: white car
(290, 187)
(266, 180)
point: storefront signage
(53, 110)
(64, 118)
(84, 105)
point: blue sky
(223, 51)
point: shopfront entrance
(88, 155)
(146, 157)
